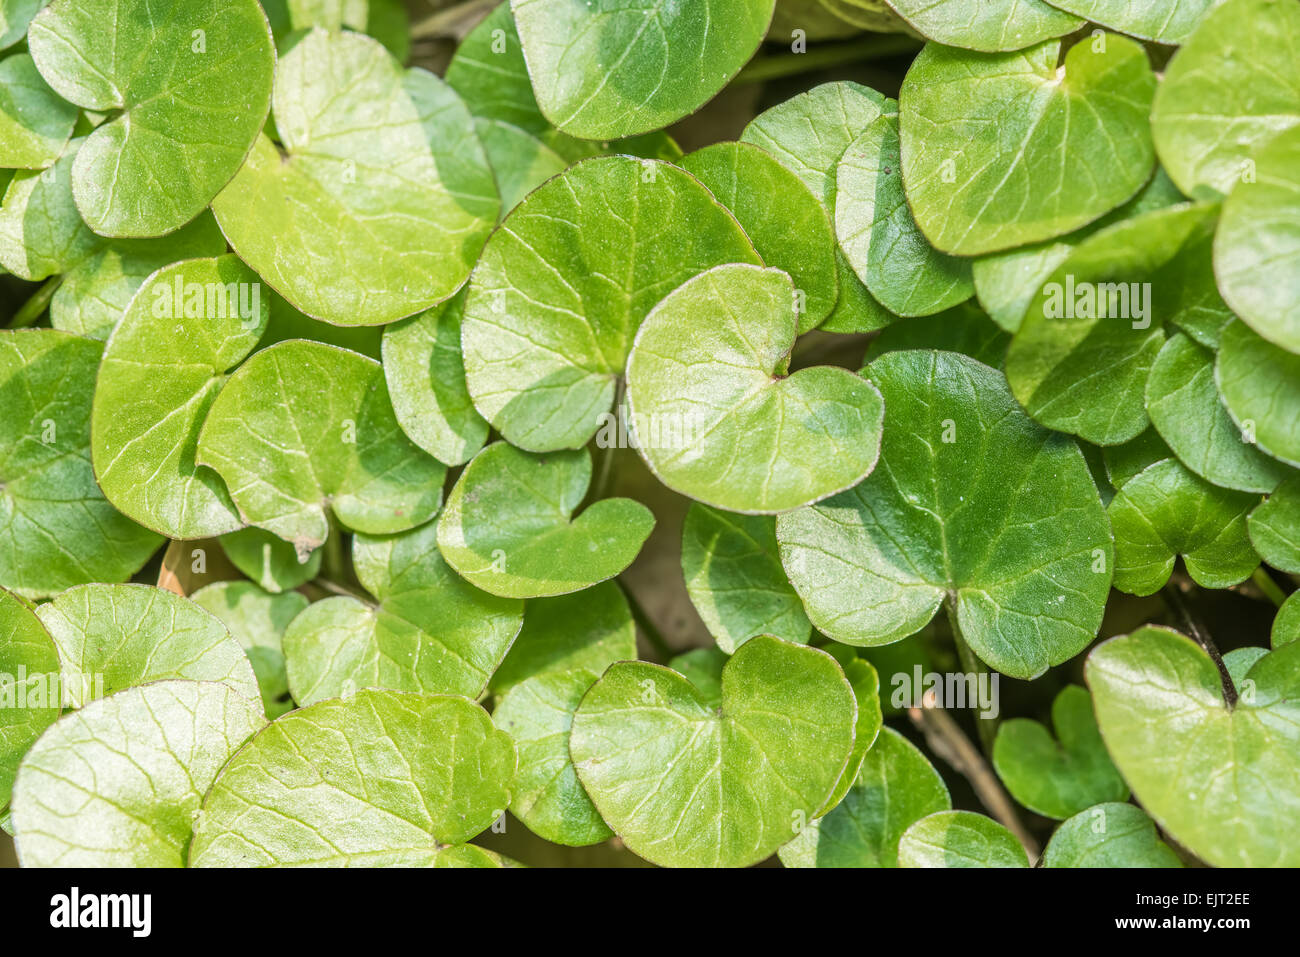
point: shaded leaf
(270, 561)
(1275, 527)
(959, 839)
(1109, 835)
(988, 25)
(35, 122)
(30, 698)
(1260, 387)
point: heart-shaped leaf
(59, 530)
(1163, 22)
(1021, 550)
(1232, 87)
(268, 560)
(188, 94)
(959, 839)
(1224, 783)
(735, 581)
(30, 692)
(508, 525)
(303, 430)
(895, 787)
(118, 784)
(1058, 777)
(1109, 835)
(1004, 149)
(41, 232)
(1165, 511)
(257, 619)
(1275, 527)
(380, 778)
(35, 122)
(163, 367)
(1257, 250)
(715, 412)
(428, 630)
(1260, 386)
(564, 284)
(15, 17)
(654, 62)
(988, 25)
(112, 637)
(382, 197)
(686, 783)
(878, 235)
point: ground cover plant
(820, 433)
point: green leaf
(1123, 462)
(286, 323)
(895, 787)
(1163, 22)
(508, 525)
(1286, 626)
(58, 530)
(382, 197)
(119, 783)
(428, 630)
(564, 284)
(35, 122)
(112, 637)
(257, 619)
(15, 16)
(1223, 783)
(684, 783)
(1260, 387)
(970, 503)
(607, 69)
(865, 682)
(780, 214)
(703, 668)
(1232, 87)
(520, 161)
(163, 368)
(30, 693)
(878, 235)
(41, 232)
(875, 15)
(1165, 511)
(1109, 835)
(489, 73)
(385, 20)
(1058, 777)
(717, 415)
(302, 430)
(988, 25)
(1275, 527)
(584, 631)
(188, 93)
(990, 141)
(735, 581)
(426, 377)
(959, 839)
(965, 328)
(1257, 249)
(381, 778)
(268, 560)
(1185, 408)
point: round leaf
(41, 232)
(1260, 386)
(1109, 835)
(15, 17)
(35, 122)
(1275, 527)
(988, 25)
(959, 839)
(30, 691)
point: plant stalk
(1177, 604)
(987, 727)
(1264, 582)
(36, 305)
(781, 65)
(454, 22)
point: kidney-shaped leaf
(1109, 835)
(30, 695)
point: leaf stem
(652, 634)
(453, 23)
(824, 57)
(36, 305)
(987, 727)
(1264, 582)
(1178, 605)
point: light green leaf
(1166, 511)
(382, 197)
(862, 676)
(41, 232)
(1275, 527)
(606, 69)
(988, 25)
(1286, 626)
(564, 284)
(426, 377)
(1257, 247)
(1260, 387)
(257, 619)
(735, 581)
(30, 693)
(15, 16)
(1109, 835)
(780, 214)
(112, 637)
(385, 20)
(520, 161)
(959, 839)
(188, 93)
(896, 787)
(715, 412)
(1232, 87)
(965, 328)
(878, 235)
(268, 560)
(1165, 21)
(683, 783)
(56, 529)
(1185, 408)
(508, 525)
(428, 630)
(970, 503)
(1000, 150)
(381, 778)
(302, 429)
(165, 363)
(119, 783)
(35, 122)
(703, 668)
(1223, 783)
(1058, 777)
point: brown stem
(1176, 603)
